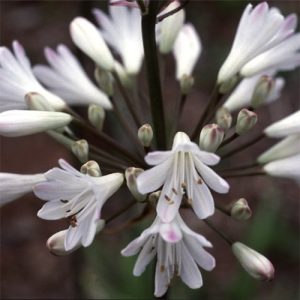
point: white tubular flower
(122, 31)
(286, 126)
(77, 197)
(255, 264)
(178, 171)
(15, 123)
(242, 95)
(169, 28)
(17, 80)
(187, 49)
(260, 29)
(67, 79)
(87, 37)
(14, 186)
(288, 168)
(285, 148)
(179, 250)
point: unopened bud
(246, 120)
(153, 197)
(36, 101)
(228, 85)
(56, 243)
(96, 115)
(262, 90)
(211, 137)
(81, 150)
(240, 210)
(255, 264)
(145, 135)
(186, 83)
(224, 118)
(91, 168)
(105, 81)
(131, 175)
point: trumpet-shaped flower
(15, 123)
(122, 31)
(17, 80)
(187, 49)
(77, 197)
(67, 78)
(182, 170)
(261, 28)
(14, 186)
(178, 249)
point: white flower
(187, 49)
(285, 148)
(179, 250)
(255, 264)
(78, 197)
(15, 123)
(122, 31)
(178, 171)
(260, 29)
(287, 167)
(67, 79)
(17, 80)
(168, 29)
(286, 126)
(88, 38)
(13, 186)
(242, 94)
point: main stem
(153, 76)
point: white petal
(170, 232)
(157, 157)
(161, 281)
(53, 210)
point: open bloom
(179, 250)
(183, 169)
(67, 78)
(187, 49)
(14, 186)
(260, 29)
(77, 197)
(17, 80)
(122, 31)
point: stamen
(174, 191)
(64, 201)
(167, 198)
(200, 181)
(162, 268)
(190, 201)
(73, 220)
(183, 185)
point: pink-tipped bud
(211, 137)
(240, 210)
(262, 90)
(91, 168)
(145, 135)
(224, 118)
(131, 175)
(246, 120)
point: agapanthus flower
(17, 80)
(122, 31)
(67, 79)
(182, 170)
(77, 197)
(178, 250)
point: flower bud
(262, 90)
(211, 137)
(91, 168)
(255, 264)
(125, 78)
(153, 198)
(36, 101)
(145, 135)
(105, 81)
(186, 83)
(55, 243)
(245, 121)
(240, 210)
(81, 150)
(96, 115)
(228, 85)
(224, 118)
(131, 175)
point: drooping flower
(14, 186)
(260, 29)
(77, 197)
(187, 49)
(178, 249)
(67, 78)
(182, 170)
(122, 31)
(15, 123)
(17, 80)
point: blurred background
(28, 270)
